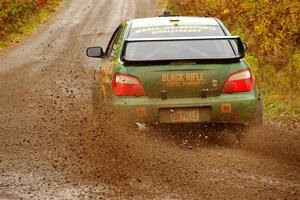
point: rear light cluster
(126, 85)
(241, 81)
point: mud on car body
(174, 69)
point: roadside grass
(278, 97)
(30, 24)
(281, 105)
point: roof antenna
(167, 13)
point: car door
(104, 73)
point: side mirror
(245, 47)
(95, 52)
(241, 47)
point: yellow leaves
(226, 11)
(269, 27)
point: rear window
(175, 31)
(171, 45)
(179, 50)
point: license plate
(184, 115)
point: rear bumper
(226, 108)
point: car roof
(169, 21)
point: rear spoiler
(240, 51)
(183, 38)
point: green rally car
(174, 69)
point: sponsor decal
(214, 83)
(226, 108)
(182, 79)
(106, 71)
(237, 115)
(175, 29)
(141, 111)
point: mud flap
(258, 121)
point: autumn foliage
(271, 28)
(14, 13)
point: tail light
(241, 81)
(126, 85)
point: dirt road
(52, 147)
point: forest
(271, 30)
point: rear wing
(238, 47)
(182, 38)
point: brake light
(241, 81)
(126, 85)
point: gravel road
(53, 147)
